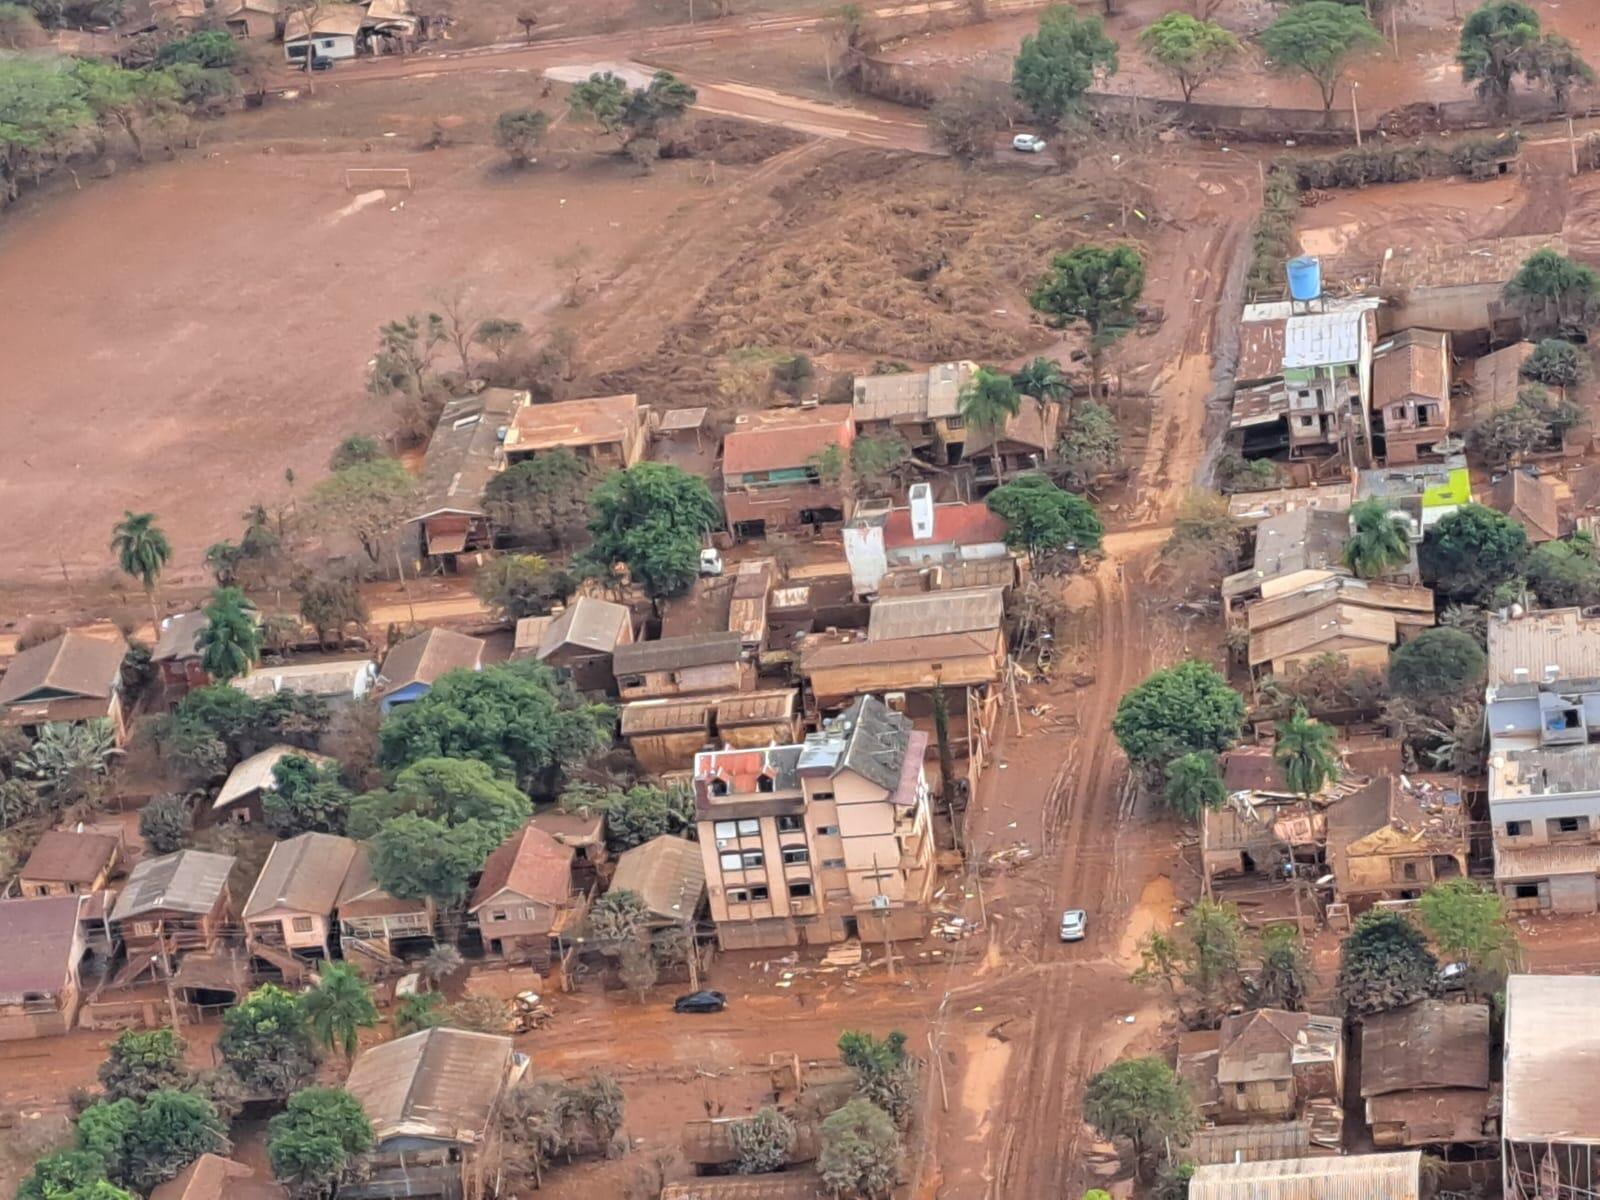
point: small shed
(65, 863)
(581, 642)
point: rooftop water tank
(1305, 278)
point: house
(608, 432)
(333, 35)
(1357, 619)
(822, 841)
(667, 873)
(289, 916)
(41, 945)
(580, 643)
(1249, 509)
(691, 665)
(1496, 381)
(771, 478)
(524, 897)
(922, 407)
(1458, 285)
(680, 438)
(1027, 439)
(241, 794)
(177, 653)
(1421, 494)
(1367, 1176)
(65, 863)
(170, 904)
(1544, 809)
(1296, 548)
(253, 20)
(372, 920)
(665, 735)
(212, 1177)
(434, 1102)
(584, 834)
(1411, 393)
(1270, 1064)
(339, 683)
(1425, 1074)
(1529, 500)
(463, 455)
(747, 602)
(70, 679)
(1550, 1114)
(1395, 837)
(410, 669)
(1316, 401)
(1248, 1143)
(389, 19)
(922, 535)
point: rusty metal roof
(1355, 1177)
(1427, 1045)
(441, 1084)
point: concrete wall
(1573, 893)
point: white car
(710, 561)
(1074, 925)
(1028, 143)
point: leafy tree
(356, 449)
(1194, 784)
(1238, 474)
(1042, 519)
(1509, 434)
(312, 1142)
(1495, 42)
(518, 131)
(1041, 378)
(1285, 976)
(885, 1074)
(618, 917)
(230, 643)
(637, 815)
(1057, 65)
(499, 334)
(1175, 711)
(1379, 542)
(1306, 751)
(267, 1043)
(543, 500)
(1556, 363)
(103, 1130)
(877, 461)
(1565, 573)
(142, 552)
(1141, 1099)
(340, 1007)
(1317, 38)
(406, 350)
(66, 762)
(1098, 285)
(247, 725)
(1552, 292)
(860, 1150)
(1090, 446)
(143, 1062)
(965, 123)
(1190, 50)
(1437, 663)
(166, 824)
(306, 797)
(1467, 921)
(367, 501)
(652, 518)
(209, 48)
(125, 98)
(988, 401)
(70, 1174)
(1205, 537)
(521, 585)
(635, 116)
(415, 857)
(1557, 63)
(329, 604)
(168, 1132)
(1471, 551)
(1385, 964)
(42, 115)
(191, 753)
(763, 1142)
(420, 1010)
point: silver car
(1074, 924)
(1028, 143)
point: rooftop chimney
(921, 495)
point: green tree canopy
(306, 797)
(143, 1143)
(1175, 711)
(1057, 65)
(1188, 49)
(1566, 572)
(366, 501)
(142, 552)
(1317, 38)
(635, 116)
(247, 725)
(1470, 552)
(1437, 664)
(1194, 784)
(230, 642)
(1495, 42)
(763, 1142)
(521, 585)
(267, 1043)
(340, 1007)
(451, 791)
(166, 824)
(542, 501)
(1553, 292)
(1090, 446)
(1385, 964)
(885, 1074)
(1307, 752)
(42, 115)
(1042, 519)
(70, 1174)
(142, 1062)
(1467, 922)
(518, 131)
(1041, 378)
(1556, 363)
(652, 518)
(211, 48)
(1141, 1099)
(1556, 62)
(860, 1150)
(636, 815)
(1285, 976)
(312, 1142)
(1098, 285)
(1379, 541)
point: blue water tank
(1305, 278)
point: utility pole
(1355, 112)
(883, 915)
(404, 585)
(1572, 146)
(166, 971)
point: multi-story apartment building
(822, 841)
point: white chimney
(921, 495)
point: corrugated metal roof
(78, 663)
(1428, 1045)
(1248, 1143)
(1322, 339)
(36, 941)
(935, 613)
(347, 678)
(464, 452)
(255, 773)
(441, 1083)
(304, 873)
(917, 395)
(667, 873)
(591, 623)
(189, 881)
(1304, 634)
(178, 634)
(1355, 1177)
(678, 653)
(1552, 1059)
(1541, 647)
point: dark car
(696, 1002)
(321, 63)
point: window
(725, 829)
(836, 863)
(633, 681)
(301, 924)
(827, 831)
(822, 795)
(738, 895)
(765, 783)
(759, 892)
(1518, 828)
(1280, 1085)
(955, 422)
(1238, 1089)
(732, 861)
(791, 824)
(799, 888)
(753, 858)
(1527, 891)
(795, 856)
(143, 928)
(749, 828)
(497, 914)
(1569, 824)
(1408, 871)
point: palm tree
(1379, 542)
(444, 959)
(987, 403)
(1041, 378)
(1194, 784)
(231, 641)
(142, 551)
(1305, 751)
(339, 1007)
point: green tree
(1285, 976)
(542, 500)
(877, 461)
(1141, 1099)
(230, 643)
(42, 115)
(1470, 552)
(67, 762)
(1194, 784)
(1556, 62)
(1552, 292)
(860, 1151)
(356, 449)
(449, 790)
(1057, 65)
(340, 1007)
(1556, 363)
(1098, 285)
(1307, 752)
(1379, 542)
(1385, 963)
(1317, 38)
(168, 1132)
(885, 1074)
(637, 815)
(1190, 50)
(1437, 664)
(366, 501)
(498, 335)
(312, 1143)
(330, 604)
(306, 797)
(652, 518)
(70, 1174)
(635, 116)
(406, 350)
(1565, 573)
(1090, 446)
(420, 1010)
(103, 1130)
(1495, 43)
(763, 1142)
(618, 917)
(1042, 378)
(518, 131)
(210, 48)
(1467, 922)
(125, 98)
(142, 1062)
(142, 552)
(987, 402)
(267, 1043)
(1043, 520)
(166, 824)
(1175, 711)
(514, 586)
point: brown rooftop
(1413, 363)
(1260, 350)
(1444, 263)
(37, 938)
(593, 422)
(76, 664)
(784, 438)
(428, 655)
(1530, 501)
(75, 858)
(529, 863)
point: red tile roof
(961, 524)
(530, 863)
(788, 438)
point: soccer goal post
(366, 178)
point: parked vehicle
(1074, 925)
(1028, 143)
(1452, 977)
(700, 1002)
(711, 561)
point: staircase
(295, 969)
(371, 957)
